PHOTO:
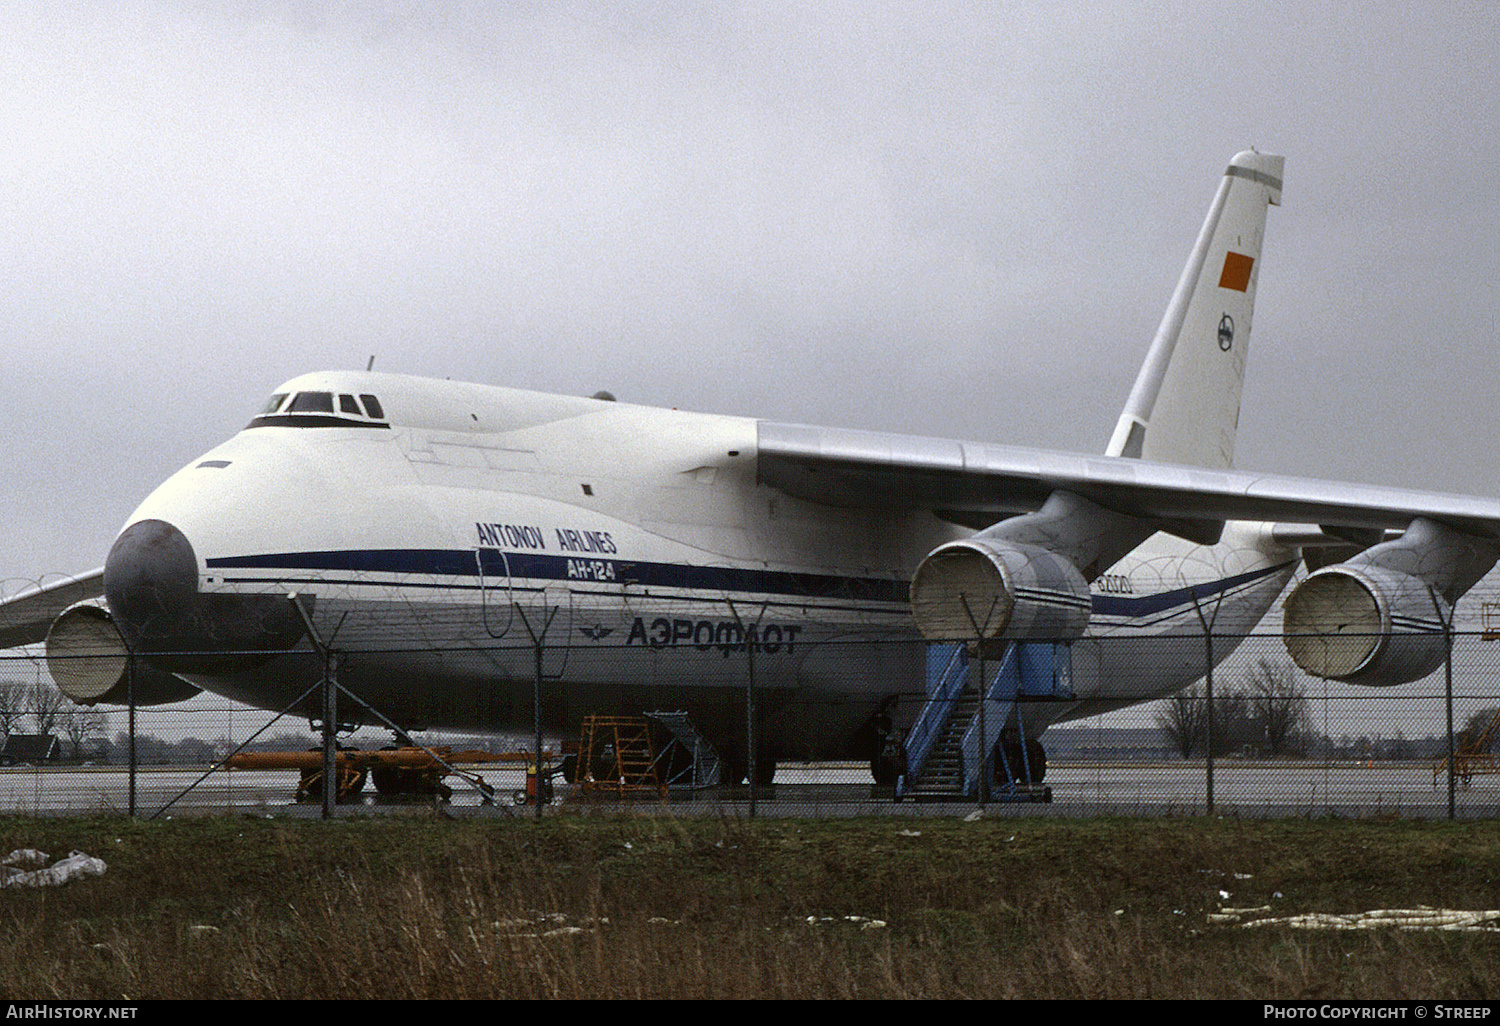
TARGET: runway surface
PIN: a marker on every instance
(1077, 789)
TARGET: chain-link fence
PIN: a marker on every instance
(833, 731)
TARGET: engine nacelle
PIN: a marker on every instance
(88, 662)
(1004, 589)
(1365, 624)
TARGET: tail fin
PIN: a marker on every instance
(1185, 405)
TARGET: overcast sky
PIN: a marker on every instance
(957, 219)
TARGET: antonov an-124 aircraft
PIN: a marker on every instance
(429, 527)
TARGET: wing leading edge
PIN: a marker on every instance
(25, 618)
(975, 485)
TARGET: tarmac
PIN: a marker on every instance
(1239, 788)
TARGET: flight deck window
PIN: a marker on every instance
(312, 402)
(321, 410)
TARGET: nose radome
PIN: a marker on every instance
(151, 583)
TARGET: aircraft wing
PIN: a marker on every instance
(975, 484)
(25, 618)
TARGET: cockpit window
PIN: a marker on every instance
(312, 402)
(317, 409)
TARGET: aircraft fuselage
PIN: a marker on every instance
(434, 544)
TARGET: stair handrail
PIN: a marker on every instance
(942, 691)
(999, 699)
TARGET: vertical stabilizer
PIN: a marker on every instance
(1185, 405)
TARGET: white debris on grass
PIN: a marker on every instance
(1419, 918)
(27, 867)
(561, 925)
(863, 922)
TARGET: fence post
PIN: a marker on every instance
(1447, 622)
(750, 642)
(330, 687)
(130, 726)
(538, 642)
(985, 761)
(330, 734)
(1208, 692)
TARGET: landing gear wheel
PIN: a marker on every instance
(604, 768)
(1032, 769)
(735, 773)
(765, 771)
(1036, 760)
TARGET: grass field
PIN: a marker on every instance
(591, 907)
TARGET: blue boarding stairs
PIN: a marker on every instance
(956, 735)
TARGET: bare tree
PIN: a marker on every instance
(46, 701)
(1278, 705)
(80, 723)
(1187, 717)
(13, 704)
(1182, 719)
(1264, 712)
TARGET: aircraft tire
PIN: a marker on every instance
(388, 780)
(1035, 761)
(1036, 758)
(604, 768)
(765, 771)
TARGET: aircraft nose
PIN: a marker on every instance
(151, 583)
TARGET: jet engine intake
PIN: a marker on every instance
(1378, 618)
(1365, 625)
(990, 589)
(89, 662)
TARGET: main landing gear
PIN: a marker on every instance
(1022, 764)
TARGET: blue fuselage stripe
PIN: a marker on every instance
(496, 567)
(536, 566)
(1136, 606)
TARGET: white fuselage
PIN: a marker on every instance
(435, 546)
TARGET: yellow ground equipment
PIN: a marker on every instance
(616, 757)
(1473, 757)
(394, 771)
